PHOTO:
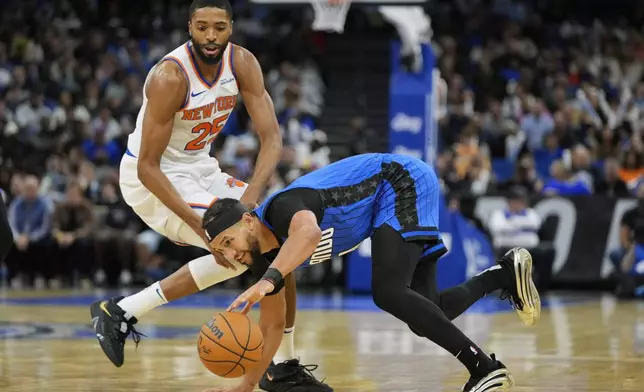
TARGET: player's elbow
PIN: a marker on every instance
(272, 139)
(144, 170)
(312, 234)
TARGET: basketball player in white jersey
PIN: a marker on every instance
(168, 177)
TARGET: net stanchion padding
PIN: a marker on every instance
(330, 15)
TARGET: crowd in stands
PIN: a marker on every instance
(542, 95)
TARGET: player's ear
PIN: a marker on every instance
(248, 220)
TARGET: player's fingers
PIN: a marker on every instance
(223, 261)
(237, 302)
(247, 308)
(233, 306)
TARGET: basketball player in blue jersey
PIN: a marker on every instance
(169, 178)
(6, 235)
(394, 200)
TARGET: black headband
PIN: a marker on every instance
(225, 220)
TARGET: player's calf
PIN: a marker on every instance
(112, 327)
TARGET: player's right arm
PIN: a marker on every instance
(166, 91)
(272, 320)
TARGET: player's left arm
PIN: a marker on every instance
(260, 108)
(272, 316)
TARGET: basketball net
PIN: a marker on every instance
(330, 15)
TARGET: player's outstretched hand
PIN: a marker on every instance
(252, 296)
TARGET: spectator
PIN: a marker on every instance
(115, 239)
(631, 167)
(611, 184)
(32, 115)
(30, 220)
(536, 125)
(550, 152)
(582, 168)
(101, 151)
(563, 183)
(73, 223)
(468, 151)
(496, 128)
(525, 177)
(54, 181)
(518, 225)
(629, 269)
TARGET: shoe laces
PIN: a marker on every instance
(136, 335)
(508, 294)
(306, 371)
(515, 302)
(130, 330)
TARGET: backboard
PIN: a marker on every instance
(330, 15)
(372, 2)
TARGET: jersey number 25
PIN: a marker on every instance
(207, 132)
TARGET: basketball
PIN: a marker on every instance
(230, 344)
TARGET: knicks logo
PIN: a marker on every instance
(204, 112)
(234, 183)
(325, 248)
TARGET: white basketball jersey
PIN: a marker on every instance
(204, 113)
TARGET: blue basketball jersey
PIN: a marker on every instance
(363, 192)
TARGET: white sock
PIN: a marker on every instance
(144, 301)
(286, 350)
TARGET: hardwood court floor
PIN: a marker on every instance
(581, 344)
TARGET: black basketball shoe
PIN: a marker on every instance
(112, 328)
(521, 290)
(497, 379)
(290, 376)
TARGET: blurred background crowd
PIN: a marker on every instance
(540, 98)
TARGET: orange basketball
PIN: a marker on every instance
(230, 344)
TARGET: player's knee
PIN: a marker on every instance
(387, 296)
(206, 272)
(416, 332)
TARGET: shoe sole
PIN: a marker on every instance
(528, 293)
(497, 381)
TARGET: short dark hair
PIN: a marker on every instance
(216, 209)
(222, 4)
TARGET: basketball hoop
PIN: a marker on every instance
(330, 15)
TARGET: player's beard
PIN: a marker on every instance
(253, 245)
(210, 60)
(253, 249)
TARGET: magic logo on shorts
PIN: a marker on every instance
(325, 248)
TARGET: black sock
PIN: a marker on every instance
(475, 360)
(456, 300)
